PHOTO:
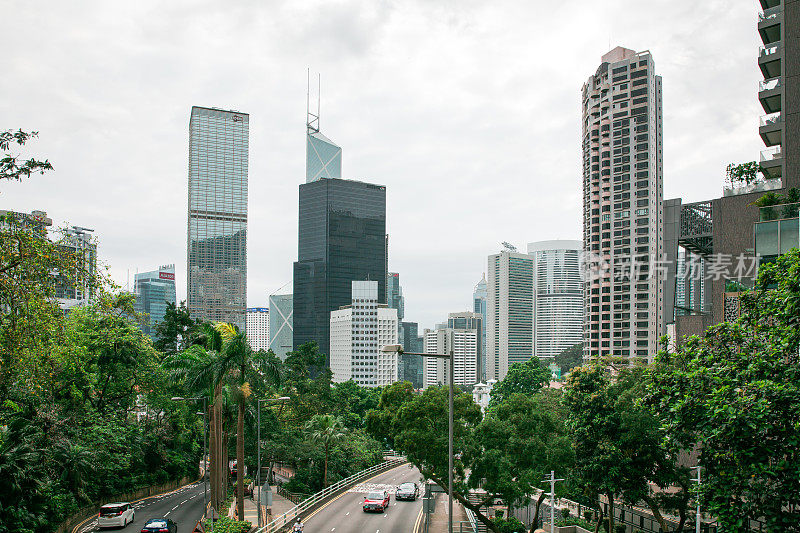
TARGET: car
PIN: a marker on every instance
(118, 514)
(376, 501)
(160, 525)
(406, 491)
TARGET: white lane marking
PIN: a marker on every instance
(167, 513)
(333, 529)
(184, 501)
(174, 508)
(347, 514)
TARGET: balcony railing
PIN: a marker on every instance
(769, 14)
(778, 212)
(770, 84)
(771, 154)
(771, 49)
(769, 120)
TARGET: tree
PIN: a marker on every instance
(174, 332)
(380, 421)
(326, 430)
(525, 378)
(735, 394)
(570, 358)
(10, 167)
(421, 427)
(518, 443)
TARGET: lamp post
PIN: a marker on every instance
(398, 349)
(280, 400)
(205, 446)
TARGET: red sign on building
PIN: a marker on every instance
(166, 275)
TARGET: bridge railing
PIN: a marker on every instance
(312, 501)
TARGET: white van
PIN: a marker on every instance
(115, 515)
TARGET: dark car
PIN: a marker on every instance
(376, 501)
(406, 491)
(160, 525)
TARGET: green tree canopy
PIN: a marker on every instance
(525, 378)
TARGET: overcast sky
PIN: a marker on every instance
(468, 111)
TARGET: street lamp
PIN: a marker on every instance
(280, 400)
(398, 349)
(205, 446)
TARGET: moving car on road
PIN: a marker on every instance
(376, 501)
(160, 525)
(118, 514)
(406, 491)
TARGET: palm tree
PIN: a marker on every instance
(327, 430)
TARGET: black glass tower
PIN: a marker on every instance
(341, 239)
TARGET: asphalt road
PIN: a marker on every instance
(184, 506)
(344, 514)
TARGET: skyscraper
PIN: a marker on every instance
(154, 290)
(358, 332)
(394, 294)
(323, 157)
(217, 215)
(479, 306)
(409, 367)
(257, 327)
(281, 324)
(622, 205)
(79, 290)
(509, 313)
(462, 336)
(557, 297)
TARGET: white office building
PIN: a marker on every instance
(462, 335)
(257, 327)
(358, 333)
(509, 312)
(558, 307)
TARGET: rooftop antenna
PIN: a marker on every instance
(312, 120)
(509, 247)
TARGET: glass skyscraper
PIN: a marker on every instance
(154, 290)
(479, 306)
(341, 239)
(281, 324)
(217, 225)
(323, 157)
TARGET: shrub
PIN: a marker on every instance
(588, 515)
(228, 525)
(564, 513)
(620, 528)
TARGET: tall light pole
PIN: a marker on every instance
(552, 480)
(697, 518)
(280, 400)
(398, 349)
(205, 446)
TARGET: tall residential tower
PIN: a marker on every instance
(622, 206)
(217, 226)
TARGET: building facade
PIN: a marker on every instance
(281, 324)
(78, 290)
(257, 327)
(341, 239)
(217, 215)
(154, 291)
(622, 206)
(479, 306)
(359, 331)
(509, 312)
(465, 345)
(409, 367)
(557, 297)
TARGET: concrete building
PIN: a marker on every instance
(509, 312)
(359, 331)
(558, 306)
(462, 335)
(622, 205)
(730, 228)
(257, 327)
(36, 221)
(79, 290)
(217, 215)
(479, 296)
(281, 324)
(482, 394)
(154, 290)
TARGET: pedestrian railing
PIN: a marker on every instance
(306, 505)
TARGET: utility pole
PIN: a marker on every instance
(552, 480)
(697, 517)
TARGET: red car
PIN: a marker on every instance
(376, 501)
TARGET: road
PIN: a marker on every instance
(184, 506)
(344, 514)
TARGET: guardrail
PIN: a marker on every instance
(286, 518)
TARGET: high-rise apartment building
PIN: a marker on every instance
(622, 206)
(509, 312)
(479, 306)
(463, 336)
(154, 291)
(409, 367)
(359, 331)
(341, 238)
(557, 297)
(77, 290)
(217, 215)
(281, 324)
(257, 327)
